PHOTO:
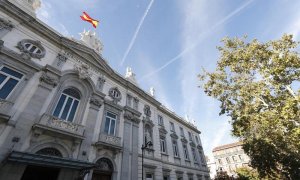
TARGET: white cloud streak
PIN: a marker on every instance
(136, 32)
(201, 36)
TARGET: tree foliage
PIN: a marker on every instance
(247, 174)
(257, 85)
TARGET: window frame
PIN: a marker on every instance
(110, 121)
(172, 127)
(160, 120)
(64, 104)
(185, 152)
(163, 142)
(194, 155)
(175, 148)
(9, 76)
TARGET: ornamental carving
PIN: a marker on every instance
(4, 24)
(184, 140)
(48, 79)
(33, 48)
(115, 94)
(83, 71)
(100, 83)
(147, 111)
(64, 125)
(96, 102)
(104, 164)
(49, 152)
(174, 135)
(61, 59)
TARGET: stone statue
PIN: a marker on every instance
(91, 40)
(130, 75)
(152, 91)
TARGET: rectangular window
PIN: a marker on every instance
(190, 136)
(8, 81)
(163, 145)
(194, 155)
(197, 140)
(160, 120)
(172, 128)
(110, 123)
(186, 153)
(166, 177)
(175, 148)
(135, 104)
(129, 100)
(181, 132)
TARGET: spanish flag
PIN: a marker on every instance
(87, 18)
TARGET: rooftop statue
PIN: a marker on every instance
(92, 41)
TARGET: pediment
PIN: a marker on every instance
(83, 53)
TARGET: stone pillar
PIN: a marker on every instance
(130, 145)
(96, 102)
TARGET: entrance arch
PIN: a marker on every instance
(104, 170)
(35, 172)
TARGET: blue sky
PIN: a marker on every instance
(167, 42)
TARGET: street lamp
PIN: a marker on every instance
(148, 144)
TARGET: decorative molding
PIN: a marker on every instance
(184, 140)
(83, 70)
(174, 135)
(48, 79)
(147, 110)
(95, 101)
(22, 47)
(129, 115)
(147, 121)
(199, 147)
(192, 144)
(100, 83)
(61, 59)
(4, 24)
(162, 131)
(115, 94)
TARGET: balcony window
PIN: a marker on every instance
(172, 128)
(175, 148)
(67, 104)
(186, 154)
(110, 123)
(181, 132)
(8, 81)
(197, 140)
(163, 145)
(160, 120)
(194, 155)
(190, 136)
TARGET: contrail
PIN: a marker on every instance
(202, 35)
(136, 33)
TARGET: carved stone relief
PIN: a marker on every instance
(83, 70)
(45, 78)
(33, 48)
(115, 94)
(100, 83)
(5, 27)
(60, 60)
(96, 102)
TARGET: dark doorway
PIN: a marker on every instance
(101, 176)
(40, 173)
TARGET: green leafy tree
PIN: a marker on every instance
(257, 85)
(247, 174)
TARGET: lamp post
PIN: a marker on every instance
(149, 143)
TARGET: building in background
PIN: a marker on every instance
(229, 157)
(211, 164)
(66, 114)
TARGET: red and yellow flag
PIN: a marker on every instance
(87, 18)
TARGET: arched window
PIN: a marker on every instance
(50, 152)
(67, 104)
(104, 165)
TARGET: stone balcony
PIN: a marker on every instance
(55, 125)
(109, 142)
(5, 110)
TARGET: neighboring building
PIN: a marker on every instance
(66, 114)
(229, 157)
(211, 164)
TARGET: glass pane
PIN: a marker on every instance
(111, 115)
(112, 127)
(12, 72)
(73, 111)
(107, 122)
(59, 105)
(66, 108)
(2, 78)
(32, 49)
(7, 88)
(72, 92)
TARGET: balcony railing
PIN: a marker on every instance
(60, 125)
(110, 140)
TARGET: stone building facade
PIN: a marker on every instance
(66, 114)
(230, 157)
